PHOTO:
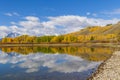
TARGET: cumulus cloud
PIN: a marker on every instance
(73, 23)
(4, 30)
(31, 22)
(32, 25)
(32, 18)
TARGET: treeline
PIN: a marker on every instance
(106, 38)
(94, 34)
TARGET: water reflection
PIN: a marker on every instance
(92, 54)
(50, 63)
(55, 62)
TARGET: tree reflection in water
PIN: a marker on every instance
(92, 54)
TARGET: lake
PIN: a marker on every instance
(51, 63)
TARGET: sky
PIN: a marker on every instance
(53, 17)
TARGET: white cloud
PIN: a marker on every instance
(3, 30)
(13, 23)
(15, 13)
(94, 14)
(91, 14)
(73, 23)
(12, 14)
(8, 14)
(30, 22)
(88, 13)
(112, 12)
(32, 18)
(54, 25)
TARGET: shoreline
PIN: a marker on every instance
(60, 44)
(109, 69)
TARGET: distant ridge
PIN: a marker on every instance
(13, 34)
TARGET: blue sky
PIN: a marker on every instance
(44, 8)
(15, 11)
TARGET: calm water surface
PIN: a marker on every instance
(50, 63)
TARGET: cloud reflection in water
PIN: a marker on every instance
(54, 62)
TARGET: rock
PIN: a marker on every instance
(109, 70)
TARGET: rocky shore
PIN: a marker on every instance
(108, 70)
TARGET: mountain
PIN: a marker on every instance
(13, 34)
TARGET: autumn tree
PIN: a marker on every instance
(118, 37)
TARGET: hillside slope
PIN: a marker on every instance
(110, 29)
(115, 29)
